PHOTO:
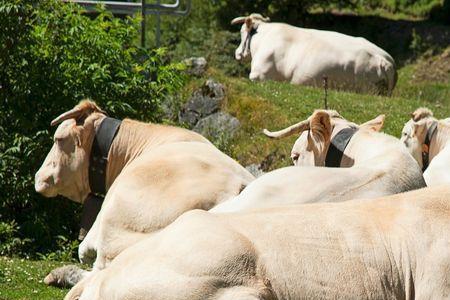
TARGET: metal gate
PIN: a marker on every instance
(131, 7)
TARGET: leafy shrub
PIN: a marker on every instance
(10, 244)
(66, 250)
(52, 56)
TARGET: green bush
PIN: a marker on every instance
(52, 56)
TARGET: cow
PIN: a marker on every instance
(283, 52)
(362, 163)
(428, 141)
(151, 174)
(394, 247)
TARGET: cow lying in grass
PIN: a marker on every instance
(305, 56)
(367, 164)
(395, 247)
(428, 140)
(153, 174)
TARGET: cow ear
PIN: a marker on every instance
(320, 130)
(249, 23)
(418, 130)
(421, 113)
(375, 124)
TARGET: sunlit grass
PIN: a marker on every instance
(23, 279)
(275, 105)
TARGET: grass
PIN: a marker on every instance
(272, 105)
(23, 279)
(275, 105)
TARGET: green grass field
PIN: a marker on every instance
(275, 105)
(22, 279)
(272, 105)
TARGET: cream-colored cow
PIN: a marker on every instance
(428, 141)
(394, 247)
(154, 173)
(372, 164)
(305, 56)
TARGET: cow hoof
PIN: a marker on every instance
(66, 276)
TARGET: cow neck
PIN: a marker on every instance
(104, 136)
(426, 145)
(337, 147)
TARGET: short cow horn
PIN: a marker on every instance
(259, 17)
(238, 20)
(296, 128)
(84, 107)
(73, 113)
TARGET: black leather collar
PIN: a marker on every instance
(426, 146)
(248, 40)
(337, 147)
(98, 162)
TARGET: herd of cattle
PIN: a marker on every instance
(352, 219)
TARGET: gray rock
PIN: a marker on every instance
(255, 169)
(220, 125)
(195, 65)
(203, 102)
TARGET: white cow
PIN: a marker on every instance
(428, 140)
(395, 247)
(153, 174)
(305, 56)
(373, 164)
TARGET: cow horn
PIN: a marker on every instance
(73, 113)
(259, 17)
(84, 107)
(238, 20)
(296, 128)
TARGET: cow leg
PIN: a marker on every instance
(263, 68)
(87, 250)
(66, 276)
(112, 242)
(243, 293)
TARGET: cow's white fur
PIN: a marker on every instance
(413, 137)
(154, 174)
(374, 164)
(304, 56)
(393, 247)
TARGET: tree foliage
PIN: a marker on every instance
(52, 56)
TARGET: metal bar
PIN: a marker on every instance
(143, 24)
(130, 8)
(134, 7)
(158, 26)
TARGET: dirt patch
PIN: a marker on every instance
(434, 68)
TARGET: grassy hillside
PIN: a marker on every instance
(275, 105)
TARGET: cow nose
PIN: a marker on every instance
(42, 184)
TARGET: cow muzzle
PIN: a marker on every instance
(238, 55)
(45, 186)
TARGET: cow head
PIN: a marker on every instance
(415, 130)
(248, 24)
(311, 148)
(65, 169)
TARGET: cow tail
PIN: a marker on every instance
(390, 73)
